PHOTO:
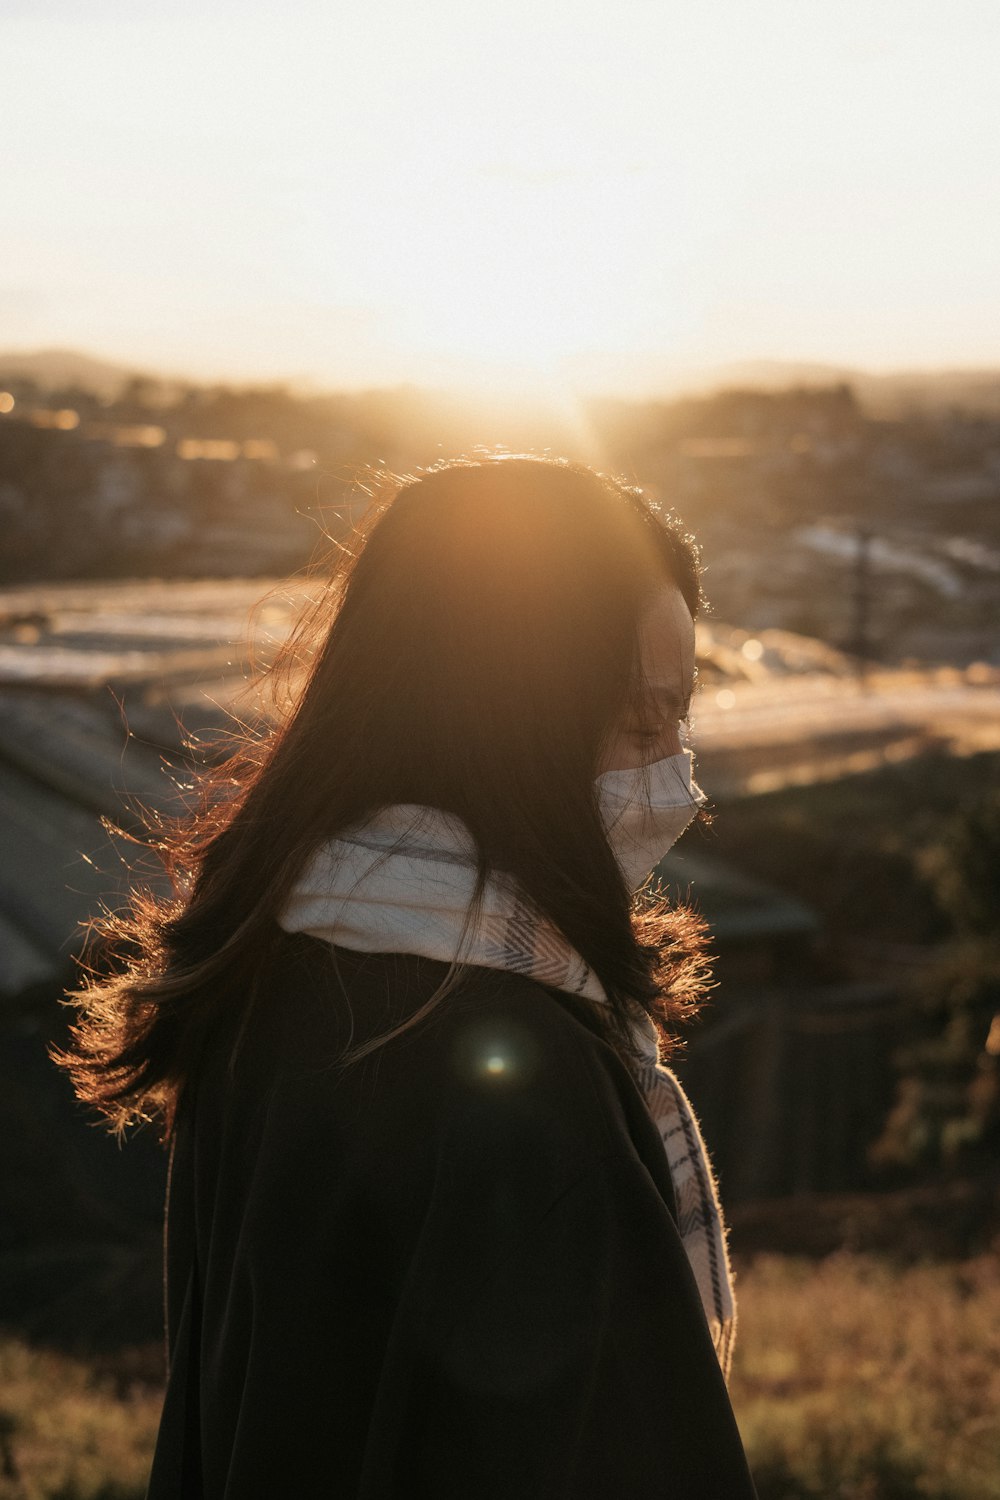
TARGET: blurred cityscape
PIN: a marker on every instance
(868, 525)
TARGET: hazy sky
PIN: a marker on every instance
(434, 189)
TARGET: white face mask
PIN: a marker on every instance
(645, 811)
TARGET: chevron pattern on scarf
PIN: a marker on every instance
(514, 939)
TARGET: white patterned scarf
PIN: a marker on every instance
(403, 882)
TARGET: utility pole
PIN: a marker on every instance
(861, 602)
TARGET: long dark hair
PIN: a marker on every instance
(479, 644)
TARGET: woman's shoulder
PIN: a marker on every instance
(500, 1103)
(497, 1055)
(341, 998)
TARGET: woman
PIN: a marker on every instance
(438, 1225)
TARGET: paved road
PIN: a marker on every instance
(185, 646)
(761, 736)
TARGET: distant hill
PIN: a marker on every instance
(887, 394)
(55, 368)
(884, 393)
(972, 390)
(892, 391)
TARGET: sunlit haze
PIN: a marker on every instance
(581, 195)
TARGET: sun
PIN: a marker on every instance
(509, 276)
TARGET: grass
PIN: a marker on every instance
(70, 1430)
(857, 1380)
(853, 1379)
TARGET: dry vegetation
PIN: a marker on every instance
(853, 1380)
(73, 1431)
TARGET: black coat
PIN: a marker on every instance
(449, 1272)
